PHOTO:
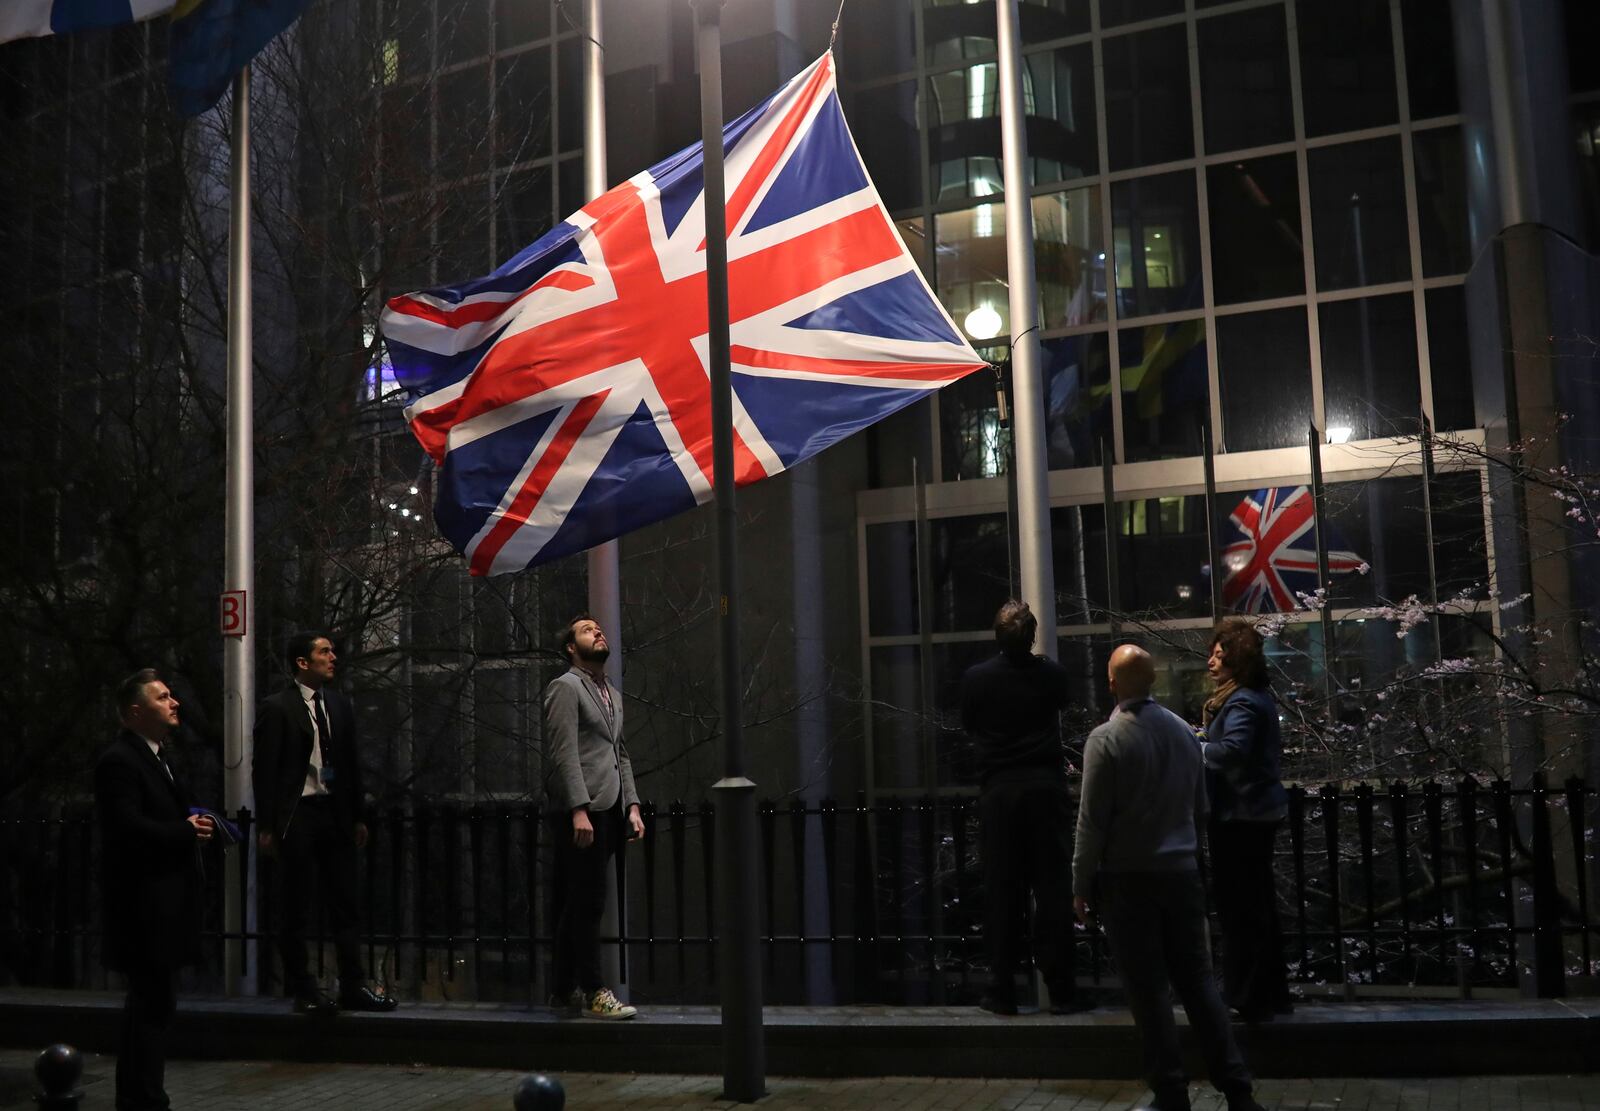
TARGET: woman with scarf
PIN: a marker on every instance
(1242, 746)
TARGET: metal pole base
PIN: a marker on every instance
(744, 1053)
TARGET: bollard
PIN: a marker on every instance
(538, 1092)
(58, 1069)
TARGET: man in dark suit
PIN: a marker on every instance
(150, 881)
(310, 811)
(595, 809)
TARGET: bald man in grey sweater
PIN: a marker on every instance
(1137, 868)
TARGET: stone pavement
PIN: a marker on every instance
(276, 1086)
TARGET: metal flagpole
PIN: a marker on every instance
(605, 575)
(239, 543)
(605, 590)
(1027, 386)
(737, 880)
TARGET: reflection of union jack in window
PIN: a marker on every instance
(565, 398)
(1272, 556)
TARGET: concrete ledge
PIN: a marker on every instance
(1319, 1040)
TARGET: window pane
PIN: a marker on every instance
(897, 726)
(1077, 371)
(499, 727)
(1448, 361)
(1381, 523)
(1430, 57)
(1358, 214)
(971, 261)
(522, 108)
(892, 579)
(971, 574)
(463, 30)
(522, 210)
(569, 65)
(964, 132)
(464, 233)
(1162, 557)
(518, 21)
(884, 122)
(1369, 367)
(1266, 547)
(1078, 548)
(1264, 368)
(1346, 66)
(1070, 257)
(1583, 28)
(1157, 240)
(1058, 91)
(464, 101)
(1442, 202)
(1053, 19)
(1165, 390)
(971, 438)
(954, 30)
(1255, 230)
(1147, 98)
(1113, 13)
(1244, 80)
(877, 39)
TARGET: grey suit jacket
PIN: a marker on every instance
(585, 760)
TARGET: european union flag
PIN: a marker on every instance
(212, 40)
(21, 19)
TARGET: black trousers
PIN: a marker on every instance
(1254, 978)
(581, 894)
(317, 858)
(142, 1053)
(1156, 922)
(1025, 834)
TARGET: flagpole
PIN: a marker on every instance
(605, 573)
(238, 558)
(605, 589)
(737, 880)
(1033, 469)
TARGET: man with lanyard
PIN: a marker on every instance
(594, 807)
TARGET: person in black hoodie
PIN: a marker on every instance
(1009, 711)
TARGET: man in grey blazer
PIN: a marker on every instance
(594, 808)
(1137, 868)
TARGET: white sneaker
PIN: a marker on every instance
(602, 1004)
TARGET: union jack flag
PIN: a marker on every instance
(565, 398)
(1274, 557)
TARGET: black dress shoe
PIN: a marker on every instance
(996, 1005)
(1071, 1005)
(365, 999)
(315, 1004)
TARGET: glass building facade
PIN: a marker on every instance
(1250, 219)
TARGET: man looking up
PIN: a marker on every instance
(1010, 710)
(595, 808)
(307, 776)
(150, 881)
(1137, 867)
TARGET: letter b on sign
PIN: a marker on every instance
(233, 613)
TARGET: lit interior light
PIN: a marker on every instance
(1339, 434)
(983, 322)
(1235, 561)
(1185, 592)
(405, 513)
(1157, 235)
(1102, 256)
(394, 505)
(413, 489)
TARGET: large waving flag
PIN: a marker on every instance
(212, 40)
(566, 397)
(22, 19)
(1271, 557)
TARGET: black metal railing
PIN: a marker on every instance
(1442, 889)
